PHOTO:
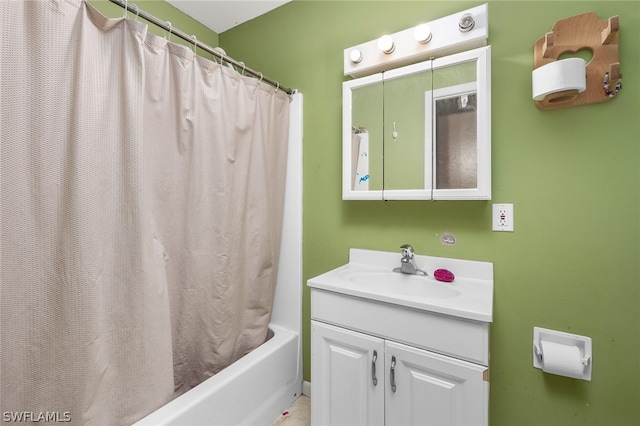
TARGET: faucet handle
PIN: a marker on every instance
(407, 251)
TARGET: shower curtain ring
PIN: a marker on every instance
(259, 81)
(195, 42)
(243, 67)
(137, 10)
(277, 87)
(126, 7)
(170, 29)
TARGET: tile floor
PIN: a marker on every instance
(299, 414)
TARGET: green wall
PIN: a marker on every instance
(572, 263)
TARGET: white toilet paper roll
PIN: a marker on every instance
(563, 360)
(559, 76)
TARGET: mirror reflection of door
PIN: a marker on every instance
(454, 119)
(455, 136)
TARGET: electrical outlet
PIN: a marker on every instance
(503, 217)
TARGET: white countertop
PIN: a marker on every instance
(369, 274)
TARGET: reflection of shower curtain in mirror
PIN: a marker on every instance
(360, 161)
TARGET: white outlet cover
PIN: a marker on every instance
(502, 217)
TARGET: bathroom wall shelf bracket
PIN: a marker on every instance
(571, 35)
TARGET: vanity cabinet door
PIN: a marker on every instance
(425, 388)
(348, 386)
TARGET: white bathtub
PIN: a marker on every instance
(257, 388)
(254, 390)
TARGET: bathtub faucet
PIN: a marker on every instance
(408, 263)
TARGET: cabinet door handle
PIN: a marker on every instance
(393, 373)
(373, 368)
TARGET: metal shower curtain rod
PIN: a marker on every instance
(192, 40)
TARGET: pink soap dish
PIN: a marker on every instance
(443, 275)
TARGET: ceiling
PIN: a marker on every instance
(221, 15)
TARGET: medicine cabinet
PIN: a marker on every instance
(420, 132)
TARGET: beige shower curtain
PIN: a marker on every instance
(141, 211)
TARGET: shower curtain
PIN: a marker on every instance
(142, 190)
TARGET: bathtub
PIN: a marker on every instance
(254, 390)
(258, 387)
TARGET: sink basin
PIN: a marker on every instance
(369, 275)
(402, 284)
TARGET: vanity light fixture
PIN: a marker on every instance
(355, 56)
(422, 33)
(466, 30)
(466, 23)
(386, 44)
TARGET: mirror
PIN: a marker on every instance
(420, 132)
(366, 133)
(406, 152)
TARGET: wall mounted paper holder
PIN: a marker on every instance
(582, 342)
(570, 35)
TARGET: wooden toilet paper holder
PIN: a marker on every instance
(570, 35)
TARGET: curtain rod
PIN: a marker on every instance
(192, 40)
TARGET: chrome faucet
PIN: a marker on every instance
(408, 263)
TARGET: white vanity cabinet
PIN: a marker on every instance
(377, 361)
(359, 379)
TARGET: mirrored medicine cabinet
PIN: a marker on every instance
(420, 132)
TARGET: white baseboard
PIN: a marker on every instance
(306, 388)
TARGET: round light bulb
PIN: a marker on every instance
(385, 43)
(356, 56)
(422, 33)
